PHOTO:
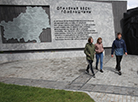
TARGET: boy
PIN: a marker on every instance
(119, 46)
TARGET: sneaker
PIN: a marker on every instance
(93, 75)
(101, 71)
(87, 72)
(120, 73)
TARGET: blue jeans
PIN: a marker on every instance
(99, 56)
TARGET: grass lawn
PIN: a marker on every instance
(16, 93)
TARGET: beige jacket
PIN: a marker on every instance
(99, 48)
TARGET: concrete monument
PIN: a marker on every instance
(54, 25)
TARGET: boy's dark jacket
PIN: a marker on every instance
(119, 46)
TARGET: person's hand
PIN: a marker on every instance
(125, 53)
(112, 55)
(89, 55)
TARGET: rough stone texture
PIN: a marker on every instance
(5, 57)
(101, 13)
(103, 97)
(68, 74)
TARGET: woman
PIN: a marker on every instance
(89, 51)
(99, 53)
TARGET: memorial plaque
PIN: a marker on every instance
(55, 25)
(24, 24)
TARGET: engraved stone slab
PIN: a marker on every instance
(66, 25)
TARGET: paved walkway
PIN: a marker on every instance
(68, 74)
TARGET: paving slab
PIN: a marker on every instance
(69, 74)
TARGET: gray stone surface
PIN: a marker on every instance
(68, 74)
(6, 57)
(101, 14)
(104, 97)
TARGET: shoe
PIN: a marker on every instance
(93, 75)
(120, 73)
(87, 72)
(101, 71)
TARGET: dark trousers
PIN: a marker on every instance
(90, 66)
(118, 61)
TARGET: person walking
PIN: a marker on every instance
(89, 51)
(120, 47)
(99, 53)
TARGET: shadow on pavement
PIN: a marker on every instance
(111, 69)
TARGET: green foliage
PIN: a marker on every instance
(16, 93)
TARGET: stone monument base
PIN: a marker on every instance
(40, 55)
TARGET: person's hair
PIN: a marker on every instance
(89, 40)
(99, 39)
(119, 33)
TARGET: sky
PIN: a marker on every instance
(132, 4)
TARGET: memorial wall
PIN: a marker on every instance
(54, 24)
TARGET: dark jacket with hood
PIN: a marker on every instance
(119, 47)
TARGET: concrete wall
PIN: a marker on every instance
(119, 7)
